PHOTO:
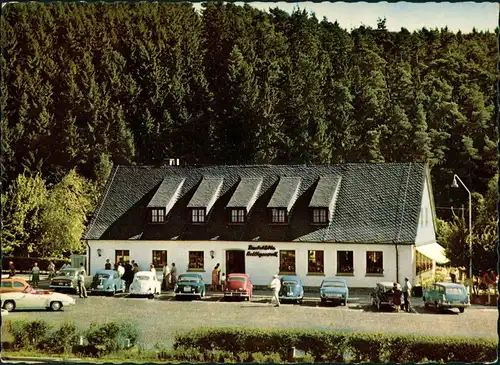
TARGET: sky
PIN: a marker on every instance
(456, 16)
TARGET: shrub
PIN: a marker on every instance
(338, 346)
(62, 340)
(109, 337)
(28, 334)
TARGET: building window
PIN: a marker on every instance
(287, 261)
(345, 262)
(159, 258)
(196, 260)
(237, 215)
(320, 215)
(422, 263)
(157, 215)
(278, 215)
(198, 215)
(122, 255)
(374, 262)
(316, 262)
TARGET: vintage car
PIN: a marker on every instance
(190, 285)
(382, 295)
(145, 283)
(238, 286)
(67, 280)
(334, 290)
(107, 281)
(34, 299)
(446, 296)
(13, 284)
(292, 289)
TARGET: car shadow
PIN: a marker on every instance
(431, 310)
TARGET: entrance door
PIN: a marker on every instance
(235, 262)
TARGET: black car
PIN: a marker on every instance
(382, 294)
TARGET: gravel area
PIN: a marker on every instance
(160, 318)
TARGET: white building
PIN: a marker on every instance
(363, 222)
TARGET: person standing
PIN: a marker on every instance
(152, 269)
(396, 296)
(129, 274)
(12, 269)
(215, 279)
(275, 286)
(51, 268)
(120, 269)
(35, 275)
(218, 275)
(166, 276)
(81, 282)
(223, 281)
(107, 265)
(407, 295)
(173, 274)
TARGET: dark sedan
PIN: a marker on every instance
(292, 289)
(382, 295)
(190, 285)
(67, 280)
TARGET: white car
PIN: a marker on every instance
(30, 298)
(145, 283)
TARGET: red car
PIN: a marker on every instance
(239, 286)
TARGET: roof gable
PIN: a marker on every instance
(246, 193)
(167, 193)
(206, 194)
(285, 194)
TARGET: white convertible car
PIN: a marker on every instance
(30, 298)
(145, 283)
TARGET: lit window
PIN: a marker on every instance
(198, 215)
(316, 262)
(320, 215)
(345, 262)
(374, 262)
(157, 215)
(287, 261)
(122, 255)
(159, 258)
(196, 260)
(278, 215)
(237, 215)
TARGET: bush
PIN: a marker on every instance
(28, 334)
(63, 340)
(322, 346)
(109, 337)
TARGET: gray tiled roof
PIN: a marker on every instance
(285, 193)
(376, 203)
(246, 193)
(325, 191)
(169, 187)
(207, 193)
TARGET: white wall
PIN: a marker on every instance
(426, 230)
(262, 269)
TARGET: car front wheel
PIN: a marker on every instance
(55, 306)
(9, 306)
(461, 310)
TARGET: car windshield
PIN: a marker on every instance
(335, 284)
(188, 278)
(236, 278)
(29, 289)
(290, 283)
(454, 291)
(142, 278)
(102, 276)
(67, 272)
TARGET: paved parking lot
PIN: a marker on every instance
(159, 319)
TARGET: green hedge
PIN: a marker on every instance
(330, 346)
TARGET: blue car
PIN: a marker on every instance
(107, 282)
(190, 285)
(334, 290)
(292, 289)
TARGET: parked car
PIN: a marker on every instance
(13, 284)
(30, 298)
(190, 285)
(292, 289)
(238, 286)
(107, 281)
(382, 295)
(446, 296)
(67, 280)
(145, 283)
(334, 290)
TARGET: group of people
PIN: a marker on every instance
(403, 300)
(218, 280)
(169, 275)
(488, 279)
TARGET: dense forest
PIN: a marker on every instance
(86, 86)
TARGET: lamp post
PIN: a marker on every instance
(455, 185)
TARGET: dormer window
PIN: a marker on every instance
(320, 216)
(238, 215)
(279, 215)
(157, 215)
(198, 215)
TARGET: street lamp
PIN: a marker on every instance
(454, 184)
